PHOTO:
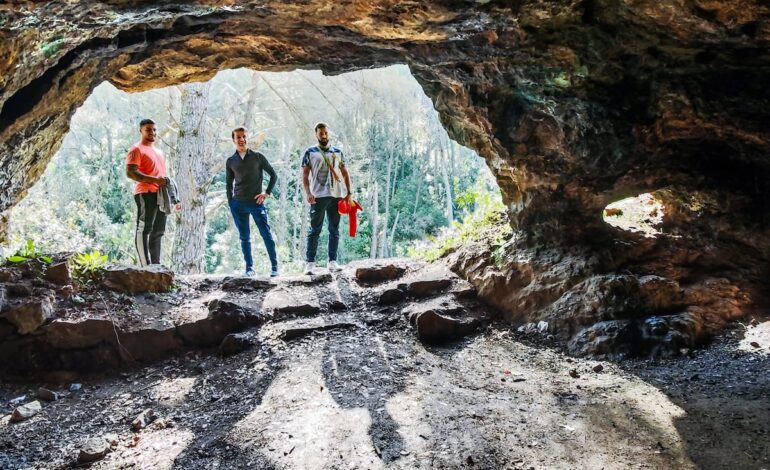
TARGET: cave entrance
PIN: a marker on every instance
(414, 182)
(641, 215)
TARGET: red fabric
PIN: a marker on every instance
(350, 209)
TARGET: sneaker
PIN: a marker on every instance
(309, 267)
(249, 272)
(274, 272)
(333, 266)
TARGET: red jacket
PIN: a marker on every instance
(350, 209)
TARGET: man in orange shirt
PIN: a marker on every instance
(146, 165)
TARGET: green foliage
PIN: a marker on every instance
(487, 222)
(27, 252)
(87, 267)
(384, 126)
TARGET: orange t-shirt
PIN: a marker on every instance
(149, 161)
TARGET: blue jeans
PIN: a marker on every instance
(324, 206)
(241, 211)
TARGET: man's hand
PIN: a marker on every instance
(349, 198)
(310, 198)
(161, 182)
(260, 198)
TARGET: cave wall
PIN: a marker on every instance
(573, 104)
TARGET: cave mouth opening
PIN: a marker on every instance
(415, 183)
(641, 215)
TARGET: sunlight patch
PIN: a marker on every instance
(757, 339)
(642, 214)
(174, 392)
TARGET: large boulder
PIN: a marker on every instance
(440, 319)
(135, 280)
(434, 327)
(30, 314)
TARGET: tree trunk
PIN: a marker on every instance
(191, 174)
(375, 217)
(448, 206)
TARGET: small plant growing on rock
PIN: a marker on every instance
(28, 252)
(87, 267)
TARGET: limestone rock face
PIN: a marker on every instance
(573, 105)
(135, 280)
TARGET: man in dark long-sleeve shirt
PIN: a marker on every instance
(245, 170)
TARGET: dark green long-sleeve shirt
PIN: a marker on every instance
(244, 176)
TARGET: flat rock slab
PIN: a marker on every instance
(135, 280)
(247, 283)
(299, 331)
(307, 280)
(296, 301)
(379, 272)
(432, 279)
(26, 411)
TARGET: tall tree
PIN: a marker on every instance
(191, 170)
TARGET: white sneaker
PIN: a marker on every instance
(333, 266)
(309, 267)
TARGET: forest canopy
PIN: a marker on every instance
(412, 180)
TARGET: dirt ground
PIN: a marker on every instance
(373, 396)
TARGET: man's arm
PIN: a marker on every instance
(346, 177)
(132, 171)
(229, 178)
(273, 176)
(306, 184)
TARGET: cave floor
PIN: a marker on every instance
(374, 396)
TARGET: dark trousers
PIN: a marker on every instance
(323, 206)
(150, 226)
(241, 211)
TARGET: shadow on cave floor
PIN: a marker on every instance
(375, 397)
(723, 394)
